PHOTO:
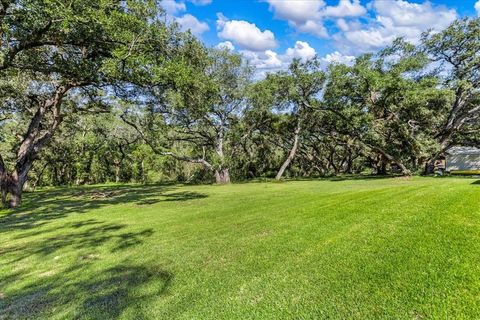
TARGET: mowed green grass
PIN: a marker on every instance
(354, 249)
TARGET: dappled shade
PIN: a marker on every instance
(103, 290)
(386, 247)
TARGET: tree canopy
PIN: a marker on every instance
(96, 91)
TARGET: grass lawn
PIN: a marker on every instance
(352, 249)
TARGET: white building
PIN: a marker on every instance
(462, 159)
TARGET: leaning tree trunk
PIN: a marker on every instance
(391, 158)
(222, 174)
(38, 134)
(292, 152)
(3, 181)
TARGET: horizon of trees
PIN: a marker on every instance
(98, 92)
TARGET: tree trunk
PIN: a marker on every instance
(391, 158)
(405, 171)
(16, 196)
(40, 175)
(429, 167)
(292, 153)
(222, 176)
(38, 134)
(3, 181)
(18, 182)
(143, 175)
(430, 163)
(381, 166)
(382, 169)
(12, 184)
(349, 169)
(402, 167)
(117, 173)
(4, 197)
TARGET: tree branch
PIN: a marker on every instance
(187, 159)
(163, 153)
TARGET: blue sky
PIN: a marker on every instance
(270, 33)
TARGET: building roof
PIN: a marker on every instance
(458, 150)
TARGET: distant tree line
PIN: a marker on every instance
(94, 92)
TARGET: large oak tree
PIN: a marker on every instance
(456, 53)
(58, 57)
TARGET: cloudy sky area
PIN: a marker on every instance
(270, 33)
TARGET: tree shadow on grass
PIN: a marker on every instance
(91, 235)
(84, 239)
(79, 274)
(177, 196)
(105, 295)
(42, 207)
(477, 182)
(85, 287)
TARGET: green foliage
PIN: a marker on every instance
(139, 80)
(457, 49)
(389, 103)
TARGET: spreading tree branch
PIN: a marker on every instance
(160, 152)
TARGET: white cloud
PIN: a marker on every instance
(337, 57)
(313, 27)
(189, 22)
(406, 14)
(343, 25)
(201, 2)
(307, 16)
(303, 15)
(271, 61)
(296, 10)
(226, 45)
(172, 7)
(263, 60)
(364, 40)
(394, 19)
(477, 7)
(345, 8)
(245, 34)
(301, 50)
